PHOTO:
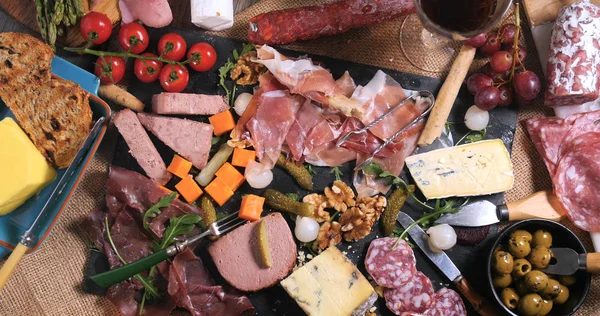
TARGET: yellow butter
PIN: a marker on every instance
(23, 169)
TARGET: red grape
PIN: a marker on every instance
(476, 41)
(501, 61)
(496, 76)
(527, 85)
(520, 102)
(487, 98)
(478, 81)
(506, 95)
(522, 54)
(507, 33)
(492, 44)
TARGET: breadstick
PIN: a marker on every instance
(121, 97)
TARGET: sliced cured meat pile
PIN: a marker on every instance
(185, 282)
(574, 58)
(570, 147)
(406, 290)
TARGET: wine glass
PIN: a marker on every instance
(430, 38)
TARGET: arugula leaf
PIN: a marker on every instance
(223, 71)
(248, 47)
(178, 226)
(309, 168)
(473, 136)
(236, 56)
(154, 210)
(336, 172)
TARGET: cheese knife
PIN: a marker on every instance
(28, 238)
(445, 264)
(541, 204)
(567, 261)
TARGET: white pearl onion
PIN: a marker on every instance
(306, 229)
(441, 237)
(476, 119)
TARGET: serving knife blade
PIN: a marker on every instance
(567, 261)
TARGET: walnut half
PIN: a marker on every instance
(329, 235)
(245, 72)
(340, 196)
(320, 203)
(355, 224)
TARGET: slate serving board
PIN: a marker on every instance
(275, 301)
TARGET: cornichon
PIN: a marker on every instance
(282, 202)
(263, 244)
(394, 205)
(302, 176)
(208, 208)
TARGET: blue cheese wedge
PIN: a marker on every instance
(473, 169)
(330, 285)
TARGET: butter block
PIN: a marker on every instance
(24, 170)
(330, 285)
(478, 168)
(212, 15)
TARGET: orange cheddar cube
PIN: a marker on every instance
(252, 207)
(220, 192)
(230, 176)
(241, 157)
(189, 189)
(222, 122)
(180, 167)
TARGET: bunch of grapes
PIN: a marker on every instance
(504, 79)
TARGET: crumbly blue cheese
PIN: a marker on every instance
(473, 169)
(330, 285)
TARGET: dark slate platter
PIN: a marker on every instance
(275, 301)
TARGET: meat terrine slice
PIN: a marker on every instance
(237, 255)
(190, 139)
(188, 103)
(141, 147)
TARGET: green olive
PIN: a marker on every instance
(567, 280)
(518, 247)
(536, 280)
(501, 281)
(509, 298)
(540, 257)
(563, 296)
(541, 237)
(521, 287)
(530, 304)
(499, 248)
(503, 262)
(551, 291)
(520, 268)
(546, 307)
(519, 233)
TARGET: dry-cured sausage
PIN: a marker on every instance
(416, 296)
(390, 267)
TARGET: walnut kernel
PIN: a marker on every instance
(320, 203)
(329, 235)
(355, 224)
(340, 196)
(245, 72)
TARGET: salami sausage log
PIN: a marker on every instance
(416, 296)
(574, 59)
(390, 267)
(287, 26)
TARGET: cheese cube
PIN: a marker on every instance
(330, 285)
(478, 168)
(24, 170)
(214, 15)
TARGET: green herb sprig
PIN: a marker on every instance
(177, 226)
(310, 169)
(154, 210)
(337, 173)
(226, 69)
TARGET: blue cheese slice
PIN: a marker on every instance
(330, 285)
(473, 169)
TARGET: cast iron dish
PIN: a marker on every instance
(562, 237)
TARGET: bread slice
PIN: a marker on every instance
(23, 60)
(55, 114)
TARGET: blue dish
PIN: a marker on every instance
(13, 225)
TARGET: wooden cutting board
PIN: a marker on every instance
(545, 11)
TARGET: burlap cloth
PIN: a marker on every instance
(49, 281)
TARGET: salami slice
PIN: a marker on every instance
(390, 267)
(577, 180)
(447, 303)
(579, 125)
(416, 296)
(546, 135)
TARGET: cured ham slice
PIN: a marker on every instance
(306, 119)
(346, 84)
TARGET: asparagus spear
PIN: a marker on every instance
(59, 9)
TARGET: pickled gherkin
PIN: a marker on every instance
(282, 202)
(394, 205)
(302, 176)
(263, 244)
(208, 210)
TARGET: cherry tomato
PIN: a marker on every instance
(174, 78)
(111, 72)
(206, 54)
(148, 70)
(133, 36)
(172, 46)
(95, 25)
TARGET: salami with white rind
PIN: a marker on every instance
(573, 61)
(447, 303)
(416, 296)
(577, 180)
(389, 267)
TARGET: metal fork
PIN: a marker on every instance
(117, 275)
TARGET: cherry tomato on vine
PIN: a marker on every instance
(95, 26)
(207, 55)
(172, 46)
(174, 78)
(147, 70)
(110, 72)
(133, 36)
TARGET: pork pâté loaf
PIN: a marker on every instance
(188, 103)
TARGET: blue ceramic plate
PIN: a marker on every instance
(13, 225)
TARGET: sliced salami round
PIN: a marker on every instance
(390, 267)
(577, 180)
(447, 303)
(579, 124)
(416, 296)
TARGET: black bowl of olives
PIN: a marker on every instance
(515, 277)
